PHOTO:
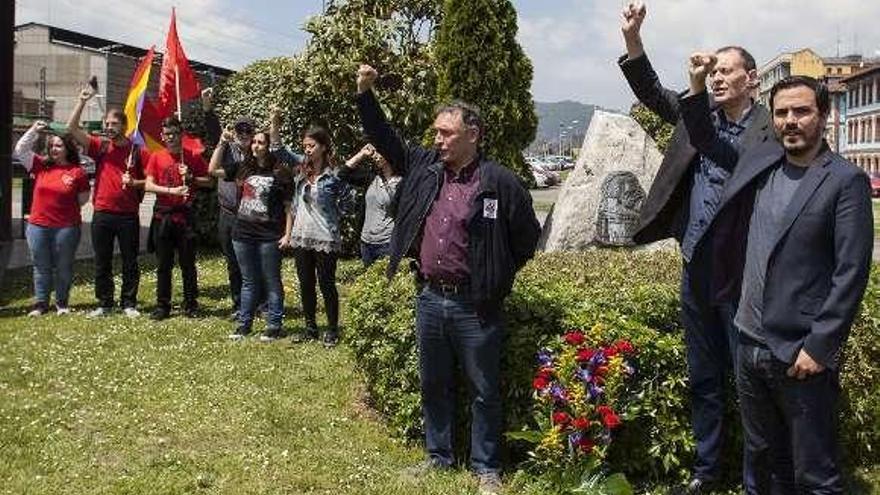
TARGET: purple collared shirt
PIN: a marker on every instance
(444, 249)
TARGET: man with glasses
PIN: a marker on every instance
(171, 173)
(119, 183)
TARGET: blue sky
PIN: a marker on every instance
(573, 43)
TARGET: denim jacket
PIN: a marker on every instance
(318, 211)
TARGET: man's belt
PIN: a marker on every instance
(446, 287)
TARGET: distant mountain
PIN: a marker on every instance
(551, 115)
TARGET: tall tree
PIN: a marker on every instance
(317, 86)
(479, 61)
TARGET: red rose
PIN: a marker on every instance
(586, 445)
(609, 418)
(546, 372)
(611, 421)
(581, 423)
(624, 347)
(610, 351)
(574, 338)
(561, 418)
(585, 354)
(540, 383)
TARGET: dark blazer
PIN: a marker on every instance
(665, 212)
(818, 269)
(500, 240)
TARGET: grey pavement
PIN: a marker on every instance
(20, 254)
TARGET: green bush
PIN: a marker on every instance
(636, 296)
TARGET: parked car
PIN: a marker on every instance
(543, 176)
(875, 185)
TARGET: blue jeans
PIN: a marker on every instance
(790, 425)
(450, 330)
(371, 252)
(260, 263)
(710, 338)
(52, 250)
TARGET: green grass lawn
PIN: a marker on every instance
(133, 406)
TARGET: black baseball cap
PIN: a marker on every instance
(244, 125)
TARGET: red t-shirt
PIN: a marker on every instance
(55, 191)
(163, 168)
(109, 194)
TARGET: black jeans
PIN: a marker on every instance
(309, 263)
(177, 238)
(225, 223)
(790, 425)
(710, 339)
(108, 228)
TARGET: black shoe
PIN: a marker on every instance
(160, 314)
(271, 334)
(331, 338)
(240, 333)
(191, 310)
(310, 333)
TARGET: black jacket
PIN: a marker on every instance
(818, 270)
(665, 212)
(497, 247)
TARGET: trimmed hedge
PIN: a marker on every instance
(635, 296)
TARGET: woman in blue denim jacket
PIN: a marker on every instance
(320, 199)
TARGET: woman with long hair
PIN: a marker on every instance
(61, 187)
(261, 230)
(320, 199)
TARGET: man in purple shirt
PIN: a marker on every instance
(470, 224)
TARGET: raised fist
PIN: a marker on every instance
(700, 65)
(633, 16)
(86, 93)
(366, 78)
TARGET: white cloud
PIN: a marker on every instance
(211, 31)
(574, 49)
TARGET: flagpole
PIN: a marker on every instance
(128, 164)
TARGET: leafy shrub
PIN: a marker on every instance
(634, 295)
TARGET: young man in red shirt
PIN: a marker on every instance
(170, 174)
(119, 182)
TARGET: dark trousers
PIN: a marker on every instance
(710, 338)
(317, 266)
(789, 425)
(225, 223)
(450, 330)
(176, 238)
(371, 252)
(107, 229)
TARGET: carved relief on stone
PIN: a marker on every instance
(617, 218)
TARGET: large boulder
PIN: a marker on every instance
(599, 203)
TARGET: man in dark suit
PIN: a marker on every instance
(683, 203)
(808, 255)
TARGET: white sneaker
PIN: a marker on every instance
(99, 312)
(37, 311)
(131, 312)
(62, 310)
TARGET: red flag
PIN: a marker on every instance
(176, 74)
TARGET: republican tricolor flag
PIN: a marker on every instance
(139, 111)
